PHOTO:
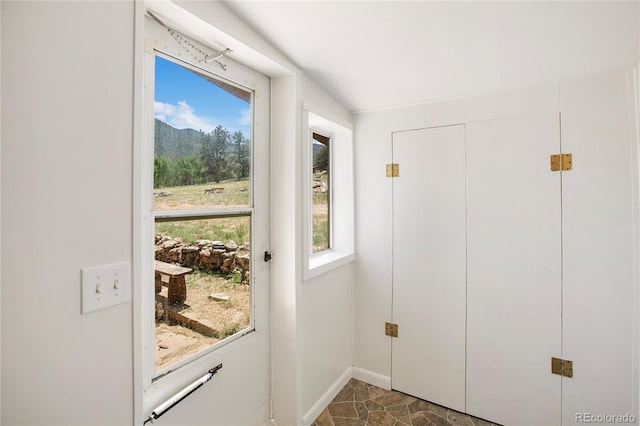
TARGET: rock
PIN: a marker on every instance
(203, 243)
(229, 262)
(170, 244)
(205, 257)
(189, 256)
(320, 186)
(226, 266)
(219, 297)
(215, 259)
(204, 254)
(174, 255)
(244, 262)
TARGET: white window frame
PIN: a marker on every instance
(341, 193)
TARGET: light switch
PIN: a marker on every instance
(104, 286)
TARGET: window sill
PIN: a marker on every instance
(325, 261)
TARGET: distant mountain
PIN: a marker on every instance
(176, 143)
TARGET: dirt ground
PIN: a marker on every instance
(224, 317)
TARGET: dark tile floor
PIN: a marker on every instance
(360, 403)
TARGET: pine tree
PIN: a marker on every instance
(321, 162)
(214, 153)
(242, 155)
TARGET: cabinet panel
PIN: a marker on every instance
(598, 230)
(513, 270)
(428, 357)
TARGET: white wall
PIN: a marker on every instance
(326, 301)
(67, 84)
(312, 320)
(285, 246)
(326, 333)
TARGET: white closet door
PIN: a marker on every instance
(514, 270)
(429, 224)
(598, 208)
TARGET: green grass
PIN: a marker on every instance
(320, 215)
(320, 198)
(229, 329)
(235, 194)
(320, 235)
(236, 229)
(235, 277)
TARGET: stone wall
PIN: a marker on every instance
(204, 255)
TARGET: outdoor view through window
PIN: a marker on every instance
(202, 168)
(321, 191)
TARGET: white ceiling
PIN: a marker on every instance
(377, 54)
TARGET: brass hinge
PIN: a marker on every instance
(393, 170)
(391, 329)
(562, 367)
(561, 162)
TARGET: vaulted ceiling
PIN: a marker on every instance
(377, 54)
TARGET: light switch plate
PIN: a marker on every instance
(104, 286)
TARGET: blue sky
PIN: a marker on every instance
(184, 100)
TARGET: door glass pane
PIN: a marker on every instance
(202, 160)
(202, 284)
(202, 140)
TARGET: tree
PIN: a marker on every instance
(321, 162)
(188, 170)
(242, 155)
(214, 153)
(161, 172)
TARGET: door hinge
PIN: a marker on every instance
(391, 329)
(563, 367)
(561, 162)
(393, 170)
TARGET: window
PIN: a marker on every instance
(320, 187)
(328, 191)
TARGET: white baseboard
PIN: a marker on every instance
(372, 378)
(328, 396)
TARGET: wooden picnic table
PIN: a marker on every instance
(175, 280)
